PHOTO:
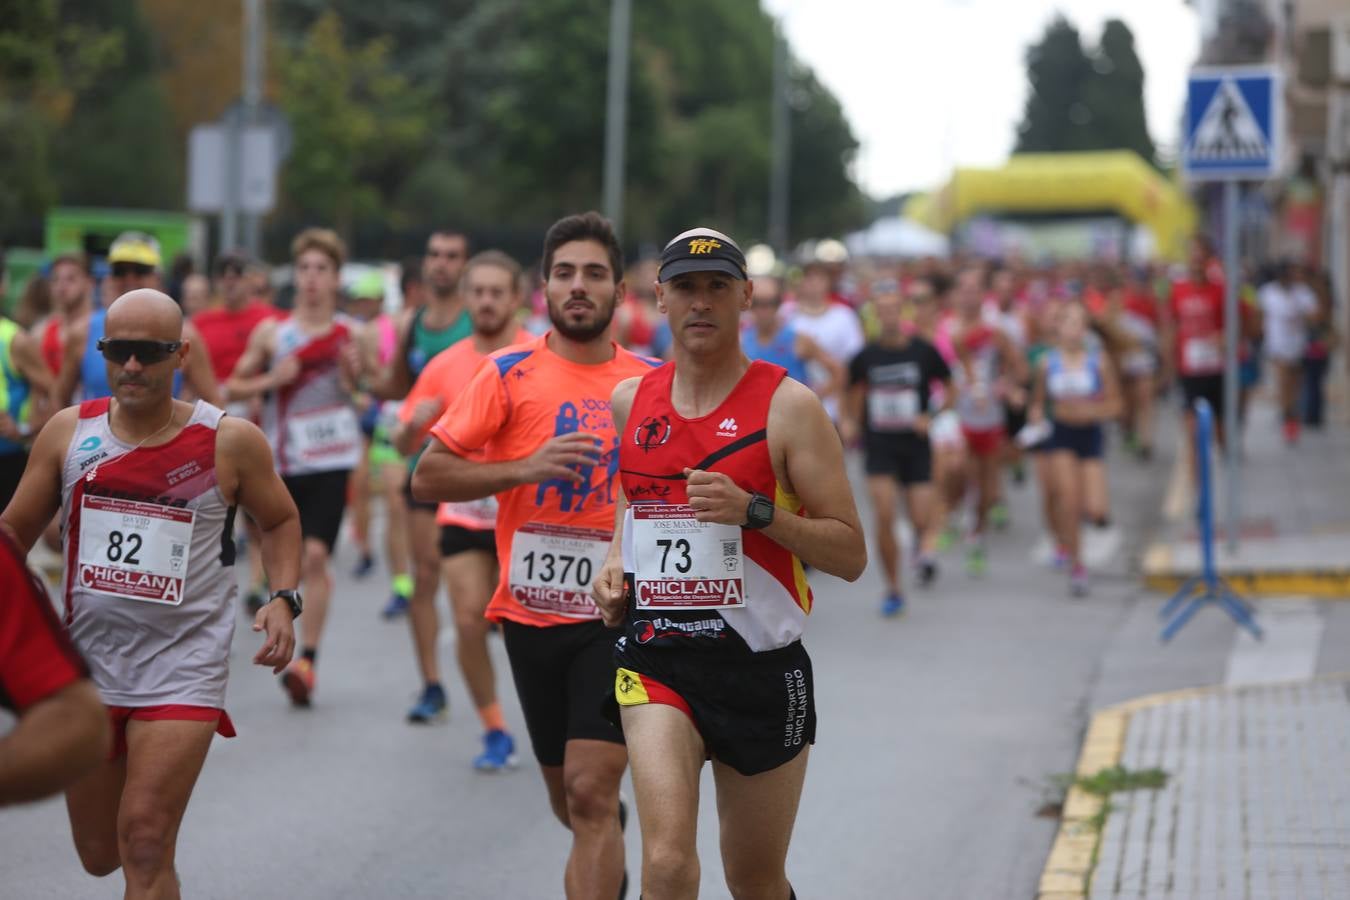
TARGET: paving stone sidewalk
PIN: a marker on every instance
(1256, 806)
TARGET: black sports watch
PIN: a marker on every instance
(293, 601)
(759, 512)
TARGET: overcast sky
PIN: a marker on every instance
(930, 85)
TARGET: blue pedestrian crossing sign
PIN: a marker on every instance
(1232, 124)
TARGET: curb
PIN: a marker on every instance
(1325, 583)
(1074, 852)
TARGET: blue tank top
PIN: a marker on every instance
(14, 388)
(781, 350)
(93, 368)
(1063, 383)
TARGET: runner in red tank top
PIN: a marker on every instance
(718, 458)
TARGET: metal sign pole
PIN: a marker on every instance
(1232, 279)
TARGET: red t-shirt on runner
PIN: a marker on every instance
(1197, 310)
(36, 657)
(226, 332)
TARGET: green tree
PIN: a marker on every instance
(355, 120)
(1084, 100)
(47, 60)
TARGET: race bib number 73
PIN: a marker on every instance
(682, 563)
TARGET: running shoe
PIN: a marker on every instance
(397, 606)
(892, 605)
(1078, 582)
(999, 516)
(433, 707)
(363, 566)
(976, 563)
(499, 752)
(1060, 560)
(298, 681)
(928, 572)
(1019, 474)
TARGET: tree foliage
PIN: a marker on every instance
(486, 114)
(1084, 99)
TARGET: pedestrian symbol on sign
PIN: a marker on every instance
(1228, 130)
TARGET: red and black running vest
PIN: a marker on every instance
(732, 439)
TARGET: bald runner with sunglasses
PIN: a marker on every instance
(146, 487)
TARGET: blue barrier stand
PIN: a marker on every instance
(1207, 587)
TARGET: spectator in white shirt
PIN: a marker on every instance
(1288, 307)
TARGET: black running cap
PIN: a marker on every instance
(701, 250)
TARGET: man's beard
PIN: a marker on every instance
(582, 333)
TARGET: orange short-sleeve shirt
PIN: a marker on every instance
(551, 537)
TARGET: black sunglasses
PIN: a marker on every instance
(123, 269)
(147, 353)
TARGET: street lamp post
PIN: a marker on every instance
(616, 110)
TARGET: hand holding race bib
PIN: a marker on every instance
(714, 497)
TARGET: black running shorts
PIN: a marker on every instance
(754, 711)
(562, 675)
(321, 498)
(456, 539)
(907, 458)
(1193, 387)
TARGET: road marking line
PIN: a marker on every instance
(1293, 634)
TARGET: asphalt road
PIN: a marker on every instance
(937, 733)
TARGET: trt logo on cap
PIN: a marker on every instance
(701, 250)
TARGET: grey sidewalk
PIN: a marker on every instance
(1257, 804)
(1294, 532)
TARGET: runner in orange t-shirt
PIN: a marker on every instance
(540, 414)
(491, 290)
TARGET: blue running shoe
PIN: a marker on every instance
(499, 752)
(397, 606)
(363, 566)
(431, 707)
(892, 605)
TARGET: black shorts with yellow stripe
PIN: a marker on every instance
(754, 711)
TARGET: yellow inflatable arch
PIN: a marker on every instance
(1113, 180)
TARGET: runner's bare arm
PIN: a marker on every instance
(72, 354)
(404, 437)
(250, 377)
(1109, 404)
(249, 476)
(197, 370)
(608, 588)
(1036, 408)
(56, 740)
(811, 351)
(397, 378)
(1013, 361)
(805, 448)
(829, 536)
(850, 423)
(443, 475)
(37, 499)
(27, 357)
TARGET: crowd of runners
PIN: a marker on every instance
(627, 473)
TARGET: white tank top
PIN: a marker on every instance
(310, 422)
(149, 578)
